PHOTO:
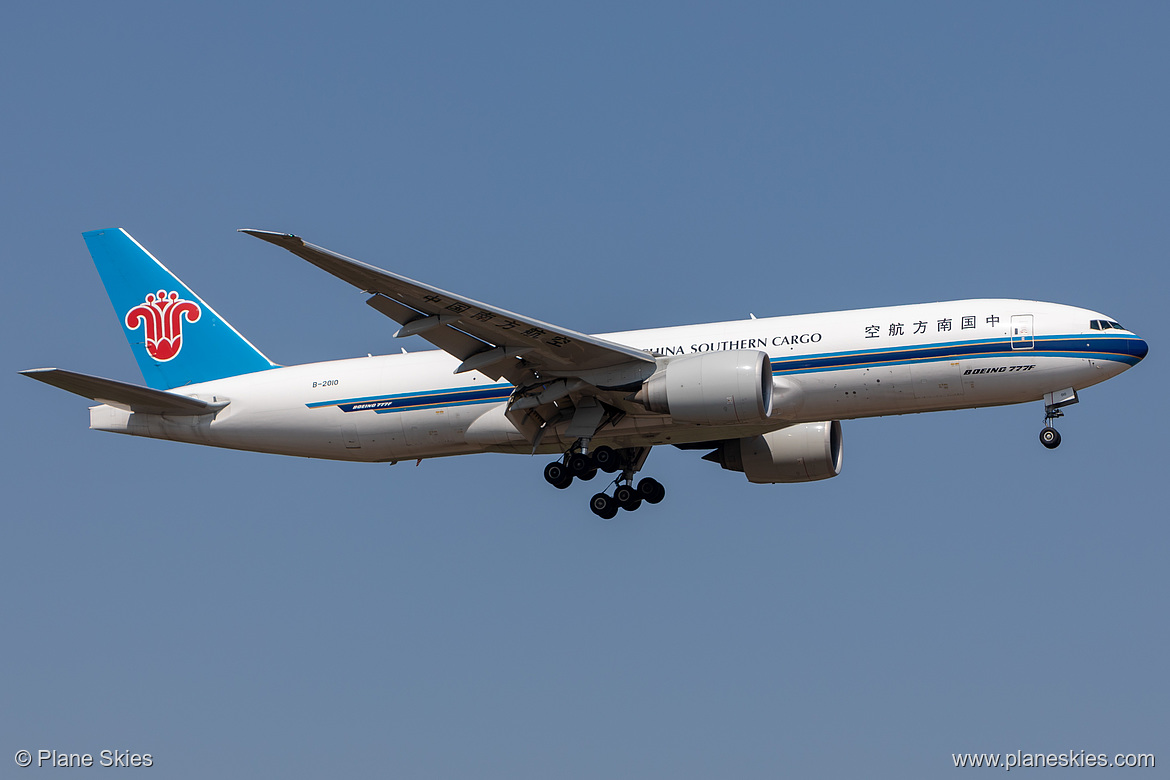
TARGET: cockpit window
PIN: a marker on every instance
(1105, 325)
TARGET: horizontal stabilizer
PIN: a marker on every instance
(123, 394)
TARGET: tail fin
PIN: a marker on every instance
(177, 339)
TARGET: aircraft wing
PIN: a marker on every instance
(488, 339)
(122, 394)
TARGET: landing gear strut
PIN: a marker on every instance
(579, 464)
(1049, 436)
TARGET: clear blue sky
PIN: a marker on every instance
(604, 166)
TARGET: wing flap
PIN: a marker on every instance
(450, 340)
(133, 397)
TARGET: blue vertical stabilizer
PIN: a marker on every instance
(177, 339)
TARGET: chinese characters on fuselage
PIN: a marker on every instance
(969, 322)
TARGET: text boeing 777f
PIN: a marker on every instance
(763, 396)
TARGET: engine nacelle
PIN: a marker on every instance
(798, 453)
(713, 388)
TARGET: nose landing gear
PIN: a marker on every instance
(1050, 437)
(1053, 402)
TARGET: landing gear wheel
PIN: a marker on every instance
(606, 459)
(588, 475)
(627, 498)
(1050, 437)
(557, 475)
(651, 490)
(603, 506)
(579, 464)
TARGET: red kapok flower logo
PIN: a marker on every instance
(162, 316)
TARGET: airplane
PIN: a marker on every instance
(762, 396)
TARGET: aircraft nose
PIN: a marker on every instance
(1138, 348)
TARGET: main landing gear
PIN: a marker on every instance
(628, 497)
(626, 462)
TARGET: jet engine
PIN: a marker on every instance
(712, 388)
(798, 453)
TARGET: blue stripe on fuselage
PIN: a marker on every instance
(1074, 346)
(399, 402)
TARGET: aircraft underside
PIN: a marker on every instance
(800, 441)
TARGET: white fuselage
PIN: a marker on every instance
(830, 366)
